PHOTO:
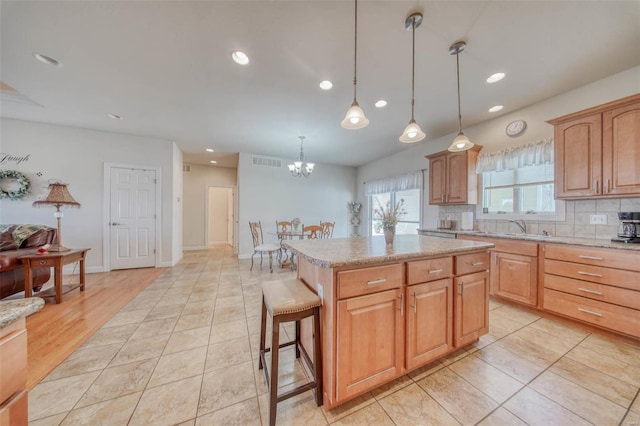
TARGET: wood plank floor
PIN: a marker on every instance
(58, 329)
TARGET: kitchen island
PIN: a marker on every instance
(389, 310)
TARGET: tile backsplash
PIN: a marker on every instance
(576, 223)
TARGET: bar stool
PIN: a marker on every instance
(289, 300)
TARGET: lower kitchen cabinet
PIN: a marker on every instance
(515, 277)
(429, 308)
(471, 307)
(370, 341)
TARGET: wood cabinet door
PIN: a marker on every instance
(621, 150)
(578, 157)
(429, 309)
(437, 179)
(471, 307)
(370, 343)
(515, 277)
(457, 178)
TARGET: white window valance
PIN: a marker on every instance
(404, 182)
(514, 158)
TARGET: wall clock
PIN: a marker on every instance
(515, 128)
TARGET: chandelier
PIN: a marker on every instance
(301, 168)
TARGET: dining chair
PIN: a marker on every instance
(283, 226)
(313, 232)
(260, 247)
(327, 229)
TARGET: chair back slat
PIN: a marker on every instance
(313, 232)
(327, 229)
(256, 233)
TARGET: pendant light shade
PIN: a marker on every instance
(413, 133)
(461, 142)
(355, 118)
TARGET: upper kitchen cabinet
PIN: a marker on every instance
(452, 177)
(597, 151)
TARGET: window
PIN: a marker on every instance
(409, 222)
(527, 189)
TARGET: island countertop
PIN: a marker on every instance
(337, 252)
(12, 310)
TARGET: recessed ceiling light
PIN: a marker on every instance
(496, 108)
(115, 116)
(213, 162)
(209, 150)
(495, 77)
(47, 59)
(381, 103)
(326, 85)
(240, 57)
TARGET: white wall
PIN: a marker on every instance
(269, 194)
(490, 134)
(76, 156)
(196, 186)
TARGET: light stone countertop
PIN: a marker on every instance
(335, 252)
(12, 310)
(590, 242)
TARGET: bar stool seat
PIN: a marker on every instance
(286, 301)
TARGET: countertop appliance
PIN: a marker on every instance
(629, 228)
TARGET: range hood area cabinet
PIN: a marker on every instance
(452, 177)
(597, 151)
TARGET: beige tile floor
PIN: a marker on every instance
(184, 351)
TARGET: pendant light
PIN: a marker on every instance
(461, 142)
(355, 119)
(413, 133)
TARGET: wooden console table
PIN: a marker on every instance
(56, 260)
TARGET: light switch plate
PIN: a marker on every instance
(598, 219)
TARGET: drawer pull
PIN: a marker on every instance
(586, 311)
(401, 297)
(415, 302)
(477, 263)
(586, 290)
(582, 256)
(43, 262)
(589, 274)
(435, 271)
(380, 281)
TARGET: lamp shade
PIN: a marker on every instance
(355, 118)
(460, 143)
(58, 196)
(412, 133)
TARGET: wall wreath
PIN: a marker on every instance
(21, 180)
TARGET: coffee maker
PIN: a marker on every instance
(629, 229)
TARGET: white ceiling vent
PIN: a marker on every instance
(276, 163)
(186, 168)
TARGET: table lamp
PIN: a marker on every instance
(58, 196)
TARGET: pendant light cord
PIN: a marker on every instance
(413, 64)
(458, 74)
(355, 50)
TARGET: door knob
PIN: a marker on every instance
(114, 223)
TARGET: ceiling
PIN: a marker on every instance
(166, 68)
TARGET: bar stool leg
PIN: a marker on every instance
(273, 386)
(263, 332)
(317, 361)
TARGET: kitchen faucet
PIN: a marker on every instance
(521, 224)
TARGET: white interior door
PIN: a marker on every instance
(132, 218)
(218, 215)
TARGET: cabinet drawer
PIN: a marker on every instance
(604, 293)
(597, 274)
(369, 280)
(14, 411)
(13, 363)
(611, 258)
(524, 248)
(422, 271)
(602, 314)
(474, 262)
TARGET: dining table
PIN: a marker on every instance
(286, 256)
